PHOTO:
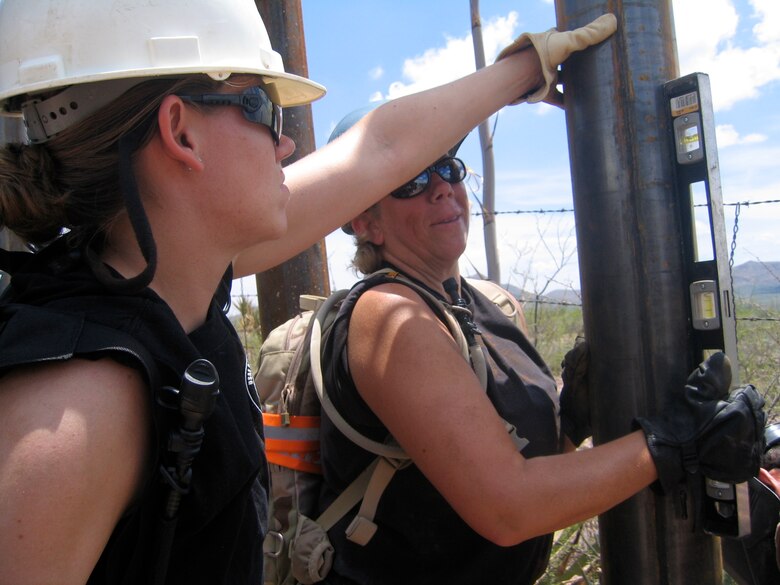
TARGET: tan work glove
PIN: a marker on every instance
(554, 48)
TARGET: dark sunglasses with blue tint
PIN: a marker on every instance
(257, 106)
(450, 169)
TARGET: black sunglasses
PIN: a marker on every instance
(450, 169)
(257, 106)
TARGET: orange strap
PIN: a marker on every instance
(295, 445)
(296, 422)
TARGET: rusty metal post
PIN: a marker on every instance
(279, 288)
(632, 269)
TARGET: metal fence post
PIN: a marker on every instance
(631, 268)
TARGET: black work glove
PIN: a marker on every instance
(704, 430)
(575, 394)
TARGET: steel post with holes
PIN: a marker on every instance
(632, 269)
(307, 273)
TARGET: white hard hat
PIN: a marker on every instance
(49, 44)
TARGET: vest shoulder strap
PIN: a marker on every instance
(503, 299)
(30, 334)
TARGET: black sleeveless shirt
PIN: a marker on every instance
(222, 521)
(420, 538)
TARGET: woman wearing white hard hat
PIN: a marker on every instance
(152, 176)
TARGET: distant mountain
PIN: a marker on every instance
(754, 282)
(758, 282)
(559, 296)
(757, 278)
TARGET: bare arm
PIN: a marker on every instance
(337, 182)
(73, 441)
(452, 426)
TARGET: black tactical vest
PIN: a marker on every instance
(55, 309)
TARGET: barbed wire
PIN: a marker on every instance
(737, 204)
(568, 210)
(571, 304)
(521, 211)
(747, 203)
(550, 302)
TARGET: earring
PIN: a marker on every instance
(200, 160)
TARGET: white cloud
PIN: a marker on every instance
(727, 135)
(741, 54)
(710, 38)
(750, 177)
(708, 41)
(455, 59)
(543, 108)
(768, 30)
(498, 33)
(376, 73)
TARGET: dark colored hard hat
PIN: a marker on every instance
(353, 118)
(350, 120)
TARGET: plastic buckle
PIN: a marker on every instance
(361, 530)
(397, 464)
(273, 544)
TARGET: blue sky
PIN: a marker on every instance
(362, 50)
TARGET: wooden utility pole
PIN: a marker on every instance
(279, 288)
(488, 174)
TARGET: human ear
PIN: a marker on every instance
(366, 225)
(178, 133)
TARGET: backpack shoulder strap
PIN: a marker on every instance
(323, 318)
(503, 299)
(471, 351)
(367, 488)
(319, 322)
(441, 309)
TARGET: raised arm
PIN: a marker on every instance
(337, 182)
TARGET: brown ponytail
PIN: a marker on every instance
(72, 181)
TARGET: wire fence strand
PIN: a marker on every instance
(240, 297)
